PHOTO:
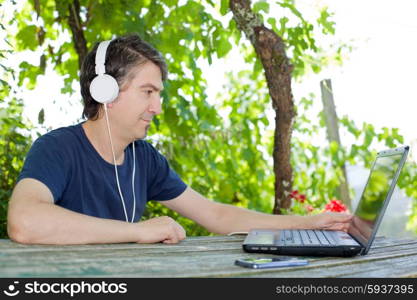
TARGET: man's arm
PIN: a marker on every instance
(33, 218)
(223, 219)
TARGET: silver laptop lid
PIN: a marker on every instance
(376, 195)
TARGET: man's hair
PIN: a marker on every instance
(122, 55)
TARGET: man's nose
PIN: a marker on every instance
(156, 106)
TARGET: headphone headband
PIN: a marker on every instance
(101, 57)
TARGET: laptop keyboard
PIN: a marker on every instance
(306, 237)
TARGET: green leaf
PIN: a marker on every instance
(223, 47)
(224, 7)
(171, 3)
(261, 6)
(316, 68)
(292, 8)
(273, 23)
(248, 155)
(29, 74)
(283, 22)
(26, 38)
(334, 147)
(327, 25)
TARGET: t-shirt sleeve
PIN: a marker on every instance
(164, 182)
(45, 162)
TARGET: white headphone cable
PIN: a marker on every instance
(115, 169)
(133, 181)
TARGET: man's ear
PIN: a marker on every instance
(109, 105)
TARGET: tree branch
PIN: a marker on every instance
(77, 31)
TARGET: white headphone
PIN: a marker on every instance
(104, 89)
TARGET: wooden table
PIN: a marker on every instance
(195, 257)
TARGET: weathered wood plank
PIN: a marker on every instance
(204, 264)
(65, 254)
(157, 249)
(194, 257)
(9, 246)
(220, 265)
(400, 266)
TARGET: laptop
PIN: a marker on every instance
(362, 230)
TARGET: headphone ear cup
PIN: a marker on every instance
(104, 88)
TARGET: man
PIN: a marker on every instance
(79, 183)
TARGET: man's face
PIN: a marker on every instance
(138, 102)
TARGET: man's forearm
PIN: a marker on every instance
(233, 218)
(44, 223)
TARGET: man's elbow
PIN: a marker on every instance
(18, 230)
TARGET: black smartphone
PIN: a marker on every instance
(270, 262)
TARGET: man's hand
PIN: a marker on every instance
(330, 221)
(160, 229)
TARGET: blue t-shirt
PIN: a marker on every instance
(82, 181)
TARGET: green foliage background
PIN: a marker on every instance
(227, 159)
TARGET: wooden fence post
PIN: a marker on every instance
(332, 125)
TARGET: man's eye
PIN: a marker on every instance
(148, 92)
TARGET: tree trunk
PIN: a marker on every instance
(270, 48)
(332, 125)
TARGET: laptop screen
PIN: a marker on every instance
(380, 185)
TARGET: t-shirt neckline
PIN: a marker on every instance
(90, 145)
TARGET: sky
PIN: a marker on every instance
(374, 85)
(377, 83)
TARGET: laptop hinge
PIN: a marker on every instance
(358, 241)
